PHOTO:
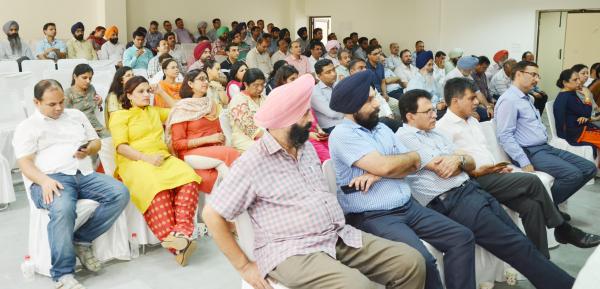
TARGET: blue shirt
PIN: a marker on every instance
(130, 59)
(379, 75)
(348, 143)
(43, 44)
(319, 101)
(518, 124)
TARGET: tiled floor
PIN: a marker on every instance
(208, 268)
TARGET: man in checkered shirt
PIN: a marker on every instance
(301, 238)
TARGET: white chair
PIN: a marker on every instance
(101, 81)
(137, 224)
(64, 77)
(69, 64)
(588, 275)
(103, 65)
(226, 126)
(15, 82)
(11, 114)
(9, 66)
(586, 152)
(37, 67)
(140, 72)
(7, 192)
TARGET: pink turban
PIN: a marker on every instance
(499, 55)
(286, 104)
(200, 48)
(331, 44)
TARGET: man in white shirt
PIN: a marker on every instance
(464, 68)
(394, 60)
(316, 54)
(521, 192)
(406, 71)
(282, 51)
(175, 49)
(439, 71)
(252, 37)
(258, 57)
(112, 49)
(501, 80)
(499, 58)
(53, 147)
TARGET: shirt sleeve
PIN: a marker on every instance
(25, 140)
(506, 125)
(348, 146)
(119, 127)
(412, 143)
(320, 104)
(235, 193)
(179, 139)
(129, 58)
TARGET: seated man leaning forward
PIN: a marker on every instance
(301, 238)
(53, 147)
(369, 158)
(444, 185)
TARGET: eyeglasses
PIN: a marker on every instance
(533, 74)
(432, 111)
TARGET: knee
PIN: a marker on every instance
(63, 211)
(465, 238)
(356, 281)
(590, 170)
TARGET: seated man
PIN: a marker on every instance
(406, 70)
(301, 238)
(233, 52)
(79, 48)
(425, 80)
(50, 47)
(183, 35)
(521, 192)
(297, 60)
(523, 137)
(15, 48)
(112, 49)
(321, 96)
(499, 58)
(444, 185)
(501, 80)
(258, 57)
(464, 68)
(52, 147)
(373, 163)
(137, 56)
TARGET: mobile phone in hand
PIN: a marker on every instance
(348, 189)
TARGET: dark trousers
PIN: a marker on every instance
(495, 231)
(540, 103)
(570, 172)
(412, 222)
(393, 124)
(525, 194)
(482, 112)
(396, 93)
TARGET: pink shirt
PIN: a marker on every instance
(301, 64)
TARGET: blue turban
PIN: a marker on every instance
(352, 92)
(467, 62)
(423, 57)
(76, 26)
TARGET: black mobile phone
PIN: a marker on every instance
(348, 189)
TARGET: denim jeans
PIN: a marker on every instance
(112, 197)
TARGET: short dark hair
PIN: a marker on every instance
(153, 22)
(456, 87)
(166, 21)
(314, 43)
(353, 33)
(346, 39)
(275, 29)
(483, 60)
(263, 37)
(229, 45)
(565, 75)
(578, 67)
(407, 103)
(203, 38)
(321, 64)
(363, 39)
(48, 25)
(440, 54)
(215, 20)
(166, 36)
(276, 66)
(419, 41)
(521, 66)
(283, 73)
(43, 85)
(254, 29)
(525, 54)
(79, 70)
(178, 19)
(130, 86)
(371, 48)
(317, 30)
(138, 33)
(252, 75)
(404, 51)
(186, 91)
(354, 62)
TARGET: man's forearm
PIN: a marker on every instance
(219, 229)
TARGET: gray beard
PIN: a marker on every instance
(15, 45)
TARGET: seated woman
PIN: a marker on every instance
(236, 76)
(194, 132)
(112, 104)
(168, 87)
(317, 137)
(271, 84)
(242, 108)
(215, 91)
(583, 91)
(573, 113)
(164, 188)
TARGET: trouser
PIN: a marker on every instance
(540, 103)
(396, 93)
(173, 211)
(570, 172)
(496, 232)
(411, 223)
(393, 264)
(482, 112)
(525, 194)
(112, 197)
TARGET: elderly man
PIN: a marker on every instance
(282, 50)
(50, 47)
(53, 147)
(444, 186)
(302, 39)
(14, 48)
(297, 60)
(521, 192)
(424, 80)
(501, 81)
(453, 57)
(464, 68)
(332, 47)
(153, 37)
(112, 49)
(77, 47)
(301, 238)
(202, 28)
(137, 56)
(406, 70)
(183, 35)
(499, 58)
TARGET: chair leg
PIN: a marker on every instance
(4, 207)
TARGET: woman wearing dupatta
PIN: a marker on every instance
(168, 85)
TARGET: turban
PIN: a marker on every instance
(202, 24)
(467, 62)
(423, 57)
(200, 49)
(8, 25)
(331, 44)
(301, 31)
(499, 55)
(110, 31)
(222, 30)
(76, 26)
(352, 92)
(455, 53)
(286, 104)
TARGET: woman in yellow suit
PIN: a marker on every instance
(164, 188)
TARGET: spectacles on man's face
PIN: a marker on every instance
(533, 74)
(430, 112)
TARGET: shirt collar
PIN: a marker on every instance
(272, 145)
(452, 117)
(322, 85)
(354, 125)
(37, 114)
(518, 92)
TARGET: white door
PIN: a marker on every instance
(582, 42)
(550, 49)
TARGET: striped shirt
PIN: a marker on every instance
(427, 184)
(289, 204)
(348, 143)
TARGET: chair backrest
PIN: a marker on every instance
(551, 121)
(140, 72)
(329, 172)
(103, 65)
(14, 83)
(9, 66)
(69, 64)
(226, 126)
(489, 131)
(37, 67)
(62, 76)
(12, 109)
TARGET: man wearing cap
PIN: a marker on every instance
(499, 58)
(501, 80)
(373, 163)
(301, 238)
(50, 47)
(218, 46)
(332, 47)
(77, 47)
(202, 31)
(14, 48)
(425, 80)
(453, 57)
(464, 68)
(446, 188)
(112, 49)
(406, 71)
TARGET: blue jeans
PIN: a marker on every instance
(570, 172)
(412, 222)
(112, 197)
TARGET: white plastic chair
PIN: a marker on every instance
(140, 72)
(69, 64)
(137, 224)
(7, 192)
(64, 77)
(586, 152)
(103, 65)
(9, 66)
(226, 126)
(11, 114)
(37, 67)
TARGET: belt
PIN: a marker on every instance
(443, 196)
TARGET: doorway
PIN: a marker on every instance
(323, 22)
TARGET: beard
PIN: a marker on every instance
(15, 43)
(78, 37)
(369, 122)
(114, 40)
(299, 134)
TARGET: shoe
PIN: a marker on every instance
(183, 256)
(87, 258)
(565, 216)
(175, 241)
(68, 282)
(577, 238)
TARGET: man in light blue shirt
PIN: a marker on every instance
(137, 56)
(373, 163)
(444, 186)
(50, 47)
(523, 137)
(321, 95)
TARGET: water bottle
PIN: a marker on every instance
(134, 245)
(28, 268)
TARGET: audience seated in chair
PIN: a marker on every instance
(112, 104)
(168, 88)
(296, 59)
(321, 96)
(202, 52)
(232, 51)
(96, 38)
(52, 147)
(242, 108)
(50, 47)
(464, 68)
(153, 37)
(112, 49)
(183, 35)
(14, 48)
(216, 90)
(258, 57)
(501, 80)
(137, 56)
(314, 247)
(79, 48)
(425, 80)
(236, 77)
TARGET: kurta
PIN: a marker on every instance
(171, 89)
(142, 129)
(241, 116)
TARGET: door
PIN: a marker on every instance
(323, 22)
(582, 41)
(550, 49)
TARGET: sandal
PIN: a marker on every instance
(183, 256)
(87, 258)
(175, 241)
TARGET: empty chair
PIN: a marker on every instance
(69, 64)
(64, 77)
(103, 65)
(37, 67)
(7, 192)
(9, 66)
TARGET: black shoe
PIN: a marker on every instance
(565, 216)
(577, 238)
